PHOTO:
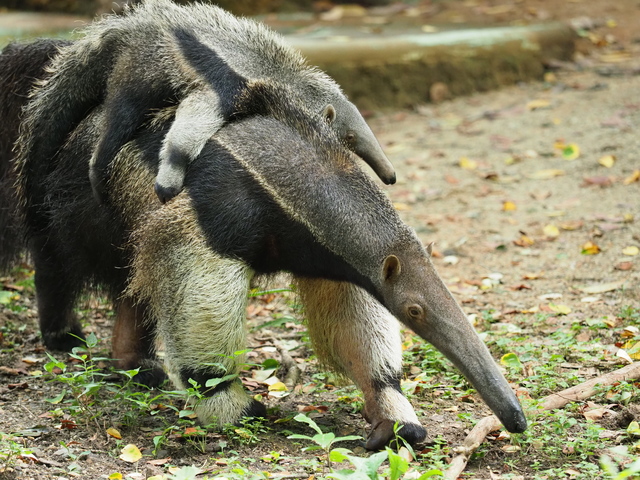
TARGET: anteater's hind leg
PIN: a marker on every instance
(56, 294)
(133, 343)
(352, 333)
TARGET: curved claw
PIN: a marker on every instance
(382, 434)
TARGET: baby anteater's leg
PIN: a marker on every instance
(198, 117)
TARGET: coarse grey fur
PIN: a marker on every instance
(198, 56)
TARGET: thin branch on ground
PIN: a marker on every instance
(556, 400)
(288, 364)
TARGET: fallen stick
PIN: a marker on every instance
(556, 400)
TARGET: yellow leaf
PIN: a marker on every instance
(535, 309)
(631, 251)
(535, 104)
(570, 151)
(532, 276)
(510, 360)
(634, 177)
(114, 433)
(607, 161)
(278, 387)
(115, 476)
(508, 206)
(130, 453)
(611, 23)
(401, 206)
(524, 241)
(556, 213)
(551, 231)
(630, 332)
(633, 349)
(615, 57)
(590, 248)
(546, 174)
(468, 164)
(511, 448)
(602, 287)
(559, 309)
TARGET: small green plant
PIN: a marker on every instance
(323, 441)
(367, 467)
(611, 469)
(84, 381)
(248, 432)
(630, 314)
(10, 451)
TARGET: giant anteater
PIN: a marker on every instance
(267, 194)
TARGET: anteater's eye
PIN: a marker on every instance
(350, 138)
(415, 311)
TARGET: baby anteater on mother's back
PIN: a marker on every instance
(198, 56)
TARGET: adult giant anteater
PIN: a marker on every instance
(273, 192)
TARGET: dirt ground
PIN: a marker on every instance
(520, 228)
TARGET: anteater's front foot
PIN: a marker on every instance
(383, 434)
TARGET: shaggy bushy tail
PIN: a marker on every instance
(74, 83)
(20, 66)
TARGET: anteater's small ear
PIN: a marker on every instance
(390, 267)
(430, 248)
(329, 113)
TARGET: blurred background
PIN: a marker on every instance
(390, 54)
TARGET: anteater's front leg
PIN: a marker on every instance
(356, 336)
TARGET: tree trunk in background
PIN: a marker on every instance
(240, 7)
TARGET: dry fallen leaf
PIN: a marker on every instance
(601, 287)
(559, 309)
(546, 174)
(607, 161)
(624, 266)
(597, 413)
(468, 164)
(536, 104)
(511, 448)
(624, 355)
(598, 180)
(634, 177)
(524, 241)
(590, 248)
(130, 453)
(615, 57)
(535, 309)
(532, 276)
(278, 387)
(551, 231)
(572, 225)
(630, 331)
(114, 433)
(631, 251)
(570, 151)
